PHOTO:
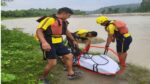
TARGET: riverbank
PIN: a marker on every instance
(22, 63)
(122, 14)
(115, 14)
(90, 15)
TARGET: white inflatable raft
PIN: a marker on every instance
(99, 63)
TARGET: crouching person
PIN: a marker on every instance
(81, 36)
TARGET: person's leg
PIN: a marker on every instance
(119, 53)
(119, 48)
(125, 47)
(69, 64)
(68, 58)
(123, 55)
(51, 63)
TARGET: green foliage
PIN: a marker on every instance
(129, 10)
(103, 11)
(113, 10)
(117, 9)
(34, 13)
(22, 58)
(7, 77)
(4, 2)
(79, 12)
(136, 75)
(145, 6)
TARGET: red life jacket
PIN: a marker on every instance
(53, 34)
(58, 28)
(121, 26)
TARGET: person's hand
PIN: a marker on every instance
(106, 47)
(46, 46)
(75, 43)
(113, 39)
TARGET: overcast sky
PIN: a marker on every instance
(74, 4)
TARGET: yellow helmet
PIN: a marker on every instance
(82, 31)
(101, 19)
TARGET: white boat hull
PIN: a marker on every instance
(106, 65)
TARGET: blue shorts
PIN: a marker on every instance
(123, 44)
(56, 50)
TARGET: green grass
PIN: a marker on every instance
(22, 62)
(22, 59)
(136, 75)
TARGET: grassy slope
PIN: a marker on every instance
(22, 62)
(136, 75)
(22, 59)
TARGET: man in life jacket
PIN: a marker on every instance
(49, 32)
(81, 35)
(84, 35)
(116, 29)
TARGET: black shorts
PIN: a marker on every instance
(56, 50)
(123, 44)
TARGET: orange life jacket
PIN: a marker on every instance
(54, 32)
(121, 26)
(56, 28)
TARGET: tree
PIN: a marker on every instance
(34, 12)
(145, 5)
(103, 11)
(128, 10)
(109, 10)
(116, 10)
(4, 2)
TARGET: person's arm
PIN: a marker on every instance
(109, 40)
(111, 29)
(69, 35)
(113, 40)
(87, 44)
(45, 44)
(43, 25)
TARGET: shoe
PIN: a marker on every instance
(74, 76)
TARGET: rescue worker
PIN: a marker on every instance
(49, 32)
(116, 30)
(81, 35)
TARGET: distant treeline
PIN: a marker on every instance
(144, 6)
(34, 12)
